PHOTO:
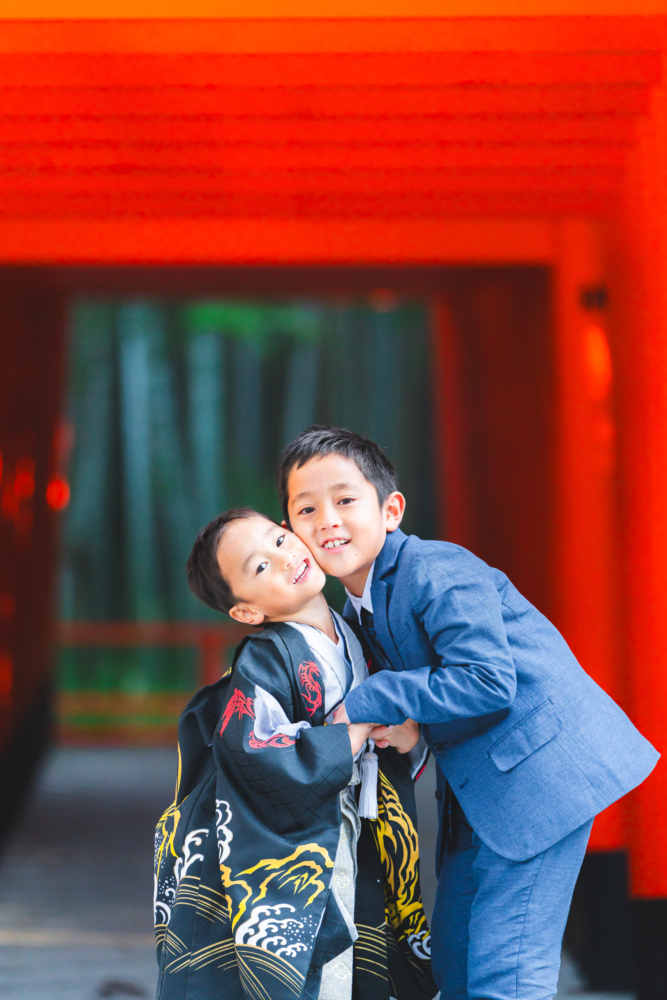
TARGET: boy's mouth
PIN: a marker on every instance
(302, 572)
(335, 543)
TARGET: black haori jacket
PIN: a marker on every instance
(243, 857)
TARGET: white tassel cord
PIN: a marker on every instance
(368, 798)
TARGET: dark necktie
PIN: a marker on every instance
(368, 624)
(368, 628)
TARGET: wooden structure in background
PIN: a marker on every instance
(388, 140)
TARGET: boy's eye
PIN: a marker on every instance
(346, 500)
(306, 510)
(262, 567)
(280, 541)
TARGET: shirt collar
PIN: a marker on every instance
(365, 601)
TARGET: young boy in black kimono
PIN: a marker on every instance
(287, 867)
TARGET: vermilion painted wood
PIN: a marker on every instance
(402, 131)
(640, 347)
(314, 181)
(227, 160)
(30, 402)
(585, 531)
(270, 240)
(135, 209)
(211, 641)
(364, 84)
(338, 34)
(329, 102)
(324, 69)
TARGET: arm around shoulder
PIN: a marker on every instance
(472, 673)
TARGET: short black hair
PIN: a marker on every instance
(320, 440)
(204, 576)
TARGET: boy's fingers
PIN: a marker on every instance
(379, 732)
(382, 744)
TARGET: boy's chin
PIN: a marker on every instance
(340, 565)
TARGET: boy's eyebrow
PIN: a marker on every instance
(336, 486)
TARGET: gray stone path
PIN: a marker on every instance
(76, 882)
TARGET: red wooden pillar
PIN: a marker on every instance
(641, 345)
(31, 337)
(585, 549)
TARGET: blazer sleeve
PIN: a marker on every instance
(472, 672)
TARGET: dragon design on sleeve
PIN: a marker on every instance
(237, 703)
(311, 692)
(242, 705)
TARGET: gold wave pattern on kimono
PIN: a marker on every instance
(370, 950)
(209, 904)
(398, 846)
(300, 871)
(164, 893)
(164, 837)
(254, 962)
(222, 953)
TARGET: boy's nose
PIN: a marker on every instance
(330, 519)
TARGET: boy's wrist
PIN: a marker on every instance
(340, 715)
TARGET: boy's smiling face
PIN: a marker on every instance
(270, 571)
(335, 510)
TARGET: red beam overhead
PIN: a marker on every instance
(226, 161)
(283, 120)
(314, 181)
(368, 131)
(348, 205)
(423, 69)
(335, 34)
(332, 102)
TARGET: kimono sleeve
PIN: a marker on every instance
(289, 774)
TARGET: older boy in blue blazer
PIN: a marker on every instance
(529, 749)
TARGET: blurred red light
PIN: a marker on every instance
(6, 678)
(24, 485)
(57, 493)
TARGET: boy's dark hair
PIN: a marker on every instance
(320, 440)
(204, 577)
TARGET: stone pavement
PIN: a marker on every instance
(76, 882)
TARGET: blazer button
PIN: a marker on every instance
(438, 747)
(438, 794)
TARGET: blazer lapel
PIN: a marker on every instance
(384, 563)
(381, 624)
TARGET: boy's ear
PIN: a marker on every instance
(394, 509)
(246, 615)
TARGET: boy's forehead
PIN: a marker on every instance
(310, 480)
(326, 472)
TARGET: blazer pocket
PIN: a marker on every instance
(529, 735)
(401, 633)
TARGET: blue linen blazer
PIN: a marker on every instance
(531, 746)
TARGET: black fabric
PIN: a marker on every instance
(368, 629)
(244, 855)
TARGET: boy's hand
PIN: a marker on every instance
(358, 733)
(403, 737)
(340, 715)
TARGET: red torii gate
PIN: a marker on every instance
(312, 140)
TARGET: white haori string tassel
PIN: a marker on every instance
(368, 797)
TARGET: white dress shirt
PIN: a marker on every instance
(365, 600)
